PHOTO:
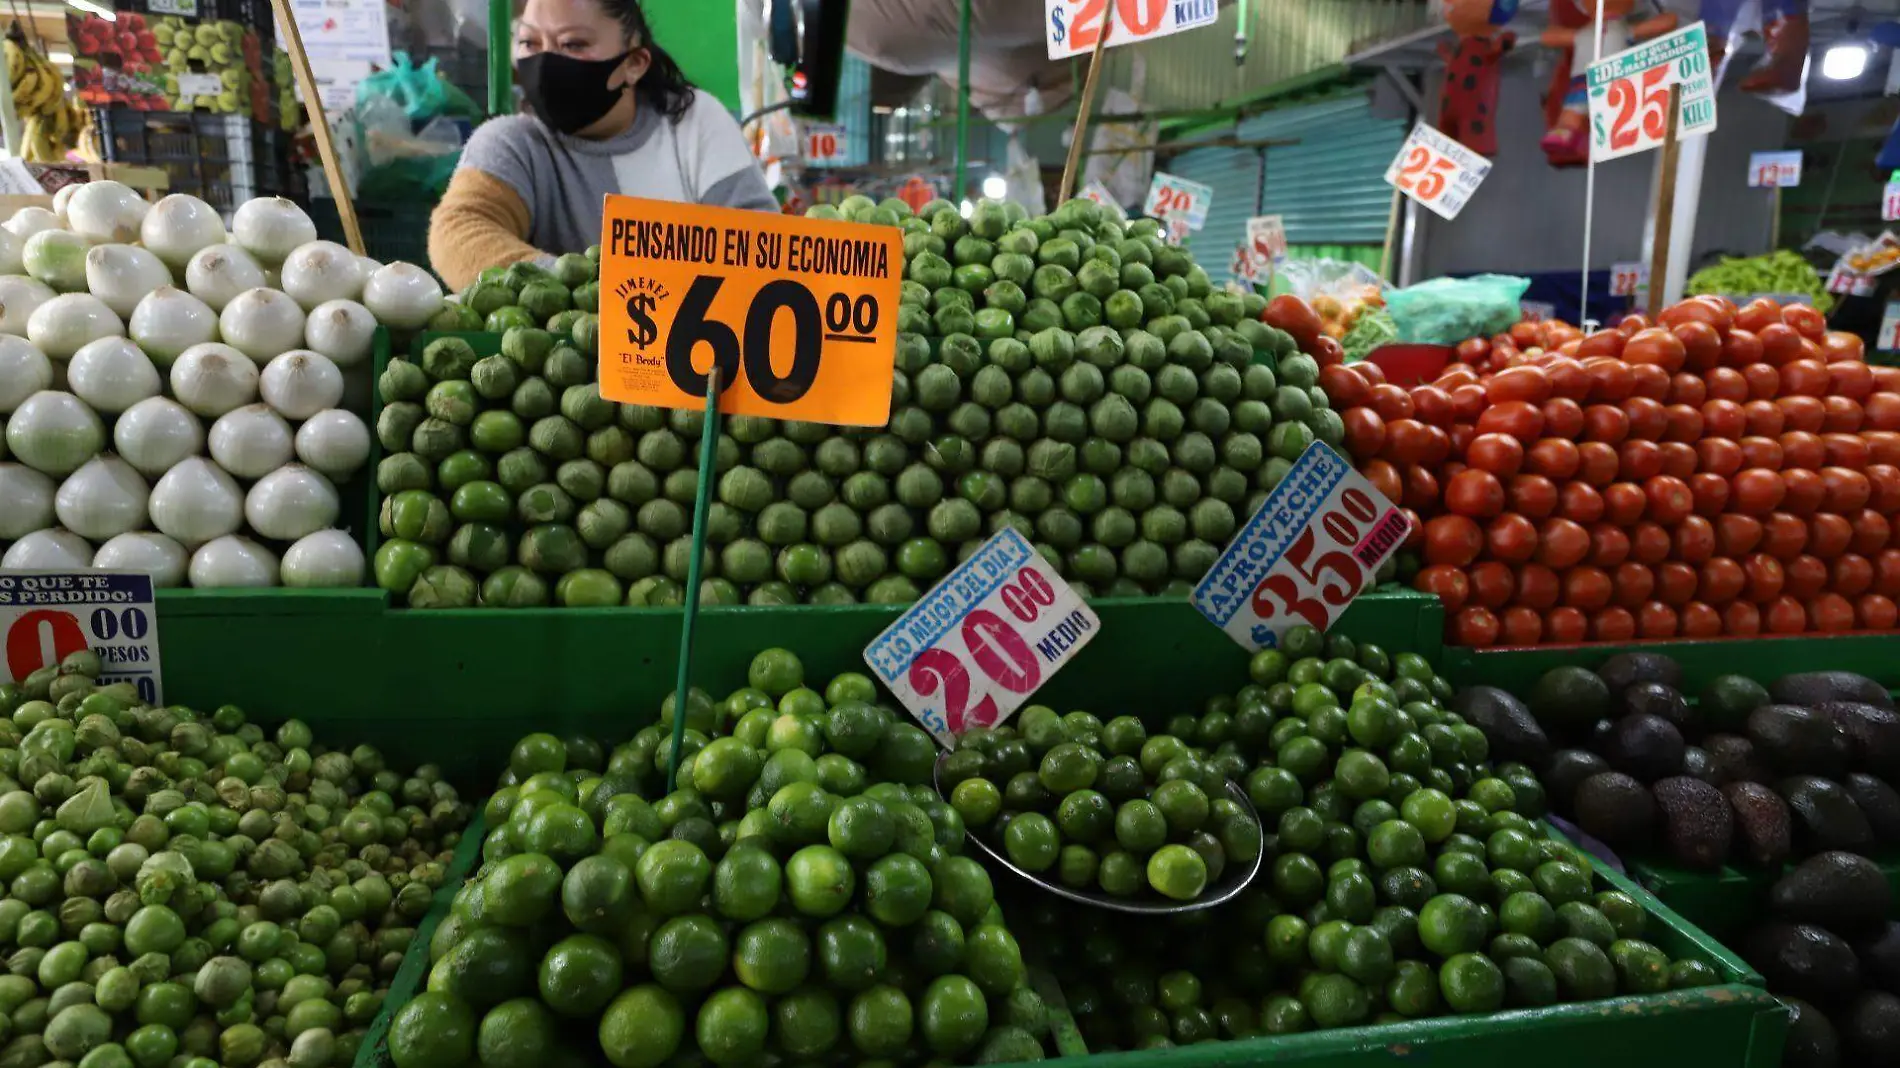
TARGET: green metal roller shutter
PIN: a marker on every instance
(1234, 174)
(1330, 187)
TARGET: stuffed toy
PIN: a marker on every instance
(1572, 33)
(1468, 103)
(1784, 30)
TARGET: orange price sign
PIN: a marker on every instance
(795, 312)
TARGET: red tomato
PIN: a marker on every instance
(1293, 315)
(1520, 626)
(1802, 491)
(1474, 626)
(1850, 379)
(1829, 535)
(1421, 488)
(1649, 543)
(1414, 530)
(1842, 416)
(1561, 543)
(1875, 612)
(1681, 423)
(1758, 314)
(1847, 490)
(1385, 478)
(1408, 441)
(1365, 432)
(1803, 414)
(1676, 582)
(1492, 584)
(1882, 447)
(1721, 580)
(1656, 346)
(1532, 495)
(1473, 349)
(1613, 625)
(1757, 491)
(1723, 419)
(1693, 541)
(1685, 388)
(1391, 402)
(1580, 501)
(1710, 491)
(1552, 457)
(1475, 493)
(1624, 503)
(1631, 584)
(1806, 576)
(1609, 545)
(1511, 538)
(1765, 578)
(1842, 346)
(1800, 448)
(1566, 626)
(1741, 348)
(1343, 387)
(1737, 535)
(1637, 460)
(1523, 383)
(1701, 345)
(1851, 574)
(1445, 582)
(1372, 373)
(1563, 418)
(1611, 380)
(1762, 452)
(1779, 345)
(1604, 343)
(1647, 419)
(1697, 312)
(1328, 352)
(1587, 588)
(1783, 536)
(1656, 620)
(1881, 411)
(1537, 587)
(1727, 383)
(1718, 456)
(1650, 381)
(1519, 419)
(1871, 532)
(1764, 418)
(1433, 405)
(1886, 492)
(1597, 463)
(1467, 401)
(1701, 620)
(1806, 378)
(1496, 453)
(1786, 616)
(1452, 539)
(1678, 459)
(1887, 573)
(1461, 437)
(1606, 423)
(1806, 320)
(1764, 382)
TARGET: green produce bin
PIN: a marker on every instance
(1517, 670)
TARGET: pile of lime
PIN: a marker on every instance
(801, 897)
(1408, 876)
(1107, 806)
(1071, 375)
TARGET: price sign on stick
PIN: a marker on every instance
(1172, 198)
(1890, 202)
(1073, 26)
(1310, 549)
(1774, 170)
(970, 652)
(46, 616)
(798, 314)
(824, 143)
(1625, 278)
(1437, 171)
(1266, 237)
(1889, 337)
(1629, 94)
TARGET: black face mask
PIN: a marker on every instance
(566, 93)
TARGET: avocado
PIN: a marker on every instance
(1624, 670)
(1825, 816)
(1508, 725)
(1761, 823)
(1801, 959)
(1646, 747)
(1814, 687)
(1845, 891)
(1878, 802)
(1870, 1028)
(1569, 698)
(1811, 1039)
(1615, 809)
(1880, 956)
(1873, 734)
(1798, 741)
(1566, 770)
(1698, 764)
(1728, 699)
(1659, 699)
(1697, 824)
(1735, 759)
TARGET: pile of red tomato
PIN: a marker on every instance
(1723, 471)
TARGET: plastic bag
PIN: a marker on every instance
(1336, 289)
(420, 92)
(1445, 311)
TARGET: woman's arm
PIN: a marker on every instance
(481, 222)
(726, 174)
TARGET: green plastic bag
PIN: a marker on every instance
(1445, 311)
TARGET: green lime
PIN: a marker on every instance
(518, 1034)
(1432, 813)
(936, 943)
(1413, 989)
(861, 828)
(1471, 983)
(807, 1023)
(1451, 924)
(1069, 767)
(488, 966)
(992, 958)
(1361, 774)
(642, 1027)
(672, 876)
(1583, 970)
(1178, 990)
(977, 801)
(1178, 872)
(962, 889)
(1561, 883)
(897, 890)
(1685, 974)
(1140, 827)
(953, 1015)
(795, 732)
(1640, 967)
(1334, 1000)
(776, 671)
(1579, 920)
(687, 954)
(579, 975)
(1463, 873)
(433, 1030)
(1124, 736)
(1528, 982)
(1183, 804)
(1032, 842)
(771, 956)
(1085, 816)
(851, 952)
(1527, 913)
(746, 884)
(880, 1021)
(732, 1026)
(820, 880)
(1623, 913)
(516, 892)
(1395, 844)
(1366, 956)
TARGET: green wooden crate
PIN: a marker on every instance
(1517, 670)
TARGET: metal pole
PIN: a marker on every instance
(501, 69)
(963, 103)
(1589, 183)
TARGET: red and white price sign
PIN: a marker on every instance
(1073, 26)
(1774, 170)
(824, 143)
(1099, 193)
(970, 652)
(1173, 198)
(1889, 337)
(1890, 203)
(46, 616)
(1313, 546)
(1243, 268)
(1629, 93)
(1437, 171)
(1627, 278)
(1266, 239)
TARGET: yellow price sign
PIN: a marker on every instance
(798, 314)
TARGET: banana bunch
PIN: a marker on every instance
(49, 123)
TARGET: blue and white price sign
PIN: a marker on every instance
(45, 616)
(970, 652)
(1311, 548)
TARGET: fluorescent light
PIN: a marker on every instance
(996, 187)
(88, 6)
(1842, 62)
(968, 209)
(60, 57)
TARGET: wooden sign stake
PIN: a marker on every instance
(708, 449)
(320, 125)
(1083, 106)
(1665, 206)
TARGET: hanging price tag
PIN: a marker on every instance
(1774, 170)
(1266, 238)
(1243, 268)
(798, 313)
(46, 616)
(1629, 94)
(1099, 193)
(1311, 548)
(1437, 171)
(1626, 278)
(1889, 338)
(824, 143)
(1890, 203)
(1172, 198)
(970, 652)
(1073, 26)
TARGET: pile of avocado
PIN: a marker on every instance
(1830, 949)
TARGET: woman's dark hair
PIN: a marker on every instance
(664, 83)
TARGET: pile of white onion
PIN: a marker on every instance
(172, 395)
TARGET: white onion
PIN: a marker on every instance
(29, 221)
(402, 295)
(29, 497)
(54, 549)
(369, 264)
(196, 501)
(343, 330)
(178, 226)
(155, 554)
(213, 378)
(334, 442)
(106, 211)
(156, 433)
(103, 499)
(63, 325)
(300, 383)
(219, 273)
(57, 258)
(121, 275)
(168, 321)
(271, 228)
(261, 323)
(233, 561)
(112, 374)
(327, 559)
(251, 442)
(62, 198)
(55, 433)
(321, 271)
(291, 502)
(24, 371)
(19, 295)
(12, 248)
